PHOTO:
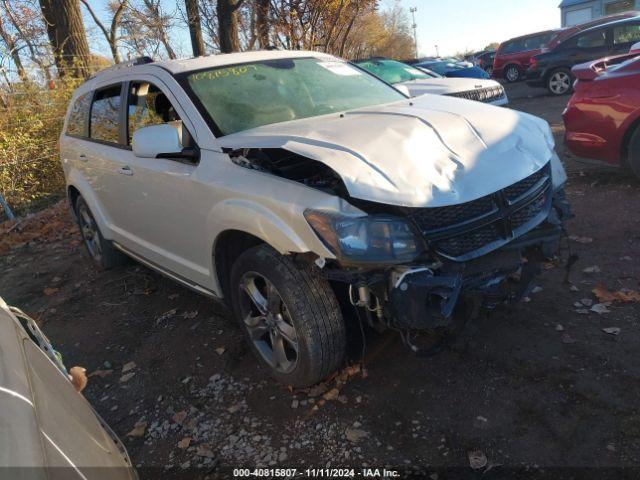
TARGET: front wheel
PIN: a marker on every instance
(290, 316)
(560, 81)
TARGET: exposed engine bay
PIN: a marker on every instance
(477, 254)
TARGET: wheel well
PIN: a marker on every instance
(73, 193)
(228, 247)
(624, 151)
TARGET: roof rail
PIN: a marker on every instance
(129, 63)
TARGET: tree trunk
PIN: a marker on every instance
(195, 27)
(10, 43)
(228, 26)
(262, 22)
(67, 36)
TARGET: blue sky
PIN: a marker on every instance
(453, 25)
(458, 25)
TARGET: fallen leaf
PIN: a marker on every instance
(220, 350)
(126, 377)
(605, 295)
(100, 373)
(179, 417)
(477, 459)
(559, 328)
(184, 443)
(568, 339)
(234, 408)
(48, 291)
(78, 378)
(354, 435)
(204, 451)
(612, 330)
(190, 315)
(138, 429)
(331, 394)
(128, 366)
(600, 308)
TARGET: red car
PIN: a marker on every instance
(602, 119)
(513, 56)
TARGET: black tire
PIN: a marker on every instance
(291, 297)
(560, 82)
(633, 152)
(512, 73)
(101, 251)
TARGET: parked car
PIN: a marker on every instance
(552, 70)
(48, 429)
(513, 56)
(453, 68)
(602, 118)
(571, 31)
(485, 61)
(291, 183)
(419, 82)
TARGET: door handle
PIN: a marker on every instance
(126, 170)
(83, 157)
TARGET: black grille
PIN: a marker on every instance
(489, 94)
(469, 230)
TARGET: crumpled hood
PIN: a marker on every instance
(443, 86)
(428, 152)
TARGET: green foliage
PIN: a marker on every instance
(31, 120)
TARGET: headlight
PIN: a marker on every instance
(366, 240)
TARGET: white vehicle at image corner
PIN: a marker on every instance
(293, 184)
(47, 429)
(421, 81)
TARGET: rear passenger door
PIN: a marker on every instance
(590, 45)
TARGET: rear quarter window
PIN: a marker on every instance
(77, 123)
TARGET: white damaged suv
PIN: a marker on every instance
(303, 190)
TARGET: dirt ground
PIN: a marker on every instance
(533, 387)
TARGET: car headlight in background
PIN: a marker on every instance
(366, 240)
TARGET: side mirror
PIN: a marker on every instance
(161, 141)
(403, 89)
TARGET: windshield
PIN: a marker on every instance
(441, 67)
(391, 71)
(240, 97)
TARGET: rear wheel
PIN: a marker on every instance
(101, 251)
(633, 152)
(560, 81)
(512, 73)
(290, 316)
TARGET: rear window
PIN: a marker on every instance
(105, 115)
(77, 123)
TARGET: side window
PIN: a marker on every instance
(594, 39)
(626, 34)
(148, 105)
(105, 115)
(77, 124)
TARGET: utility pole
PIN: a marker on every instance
(413, 11)
(437, 51)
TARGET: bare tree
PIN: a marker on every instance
(262, 22)
(195, 27)
(227, 13)
(148, 25)
(11, 47)
(110, 34)
(67, 36)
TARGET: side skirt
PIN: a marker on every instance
(173, 276)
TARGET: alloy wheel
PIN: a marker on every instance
(268, 322)
(560, 83)
(90, 234)
(512, 74)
